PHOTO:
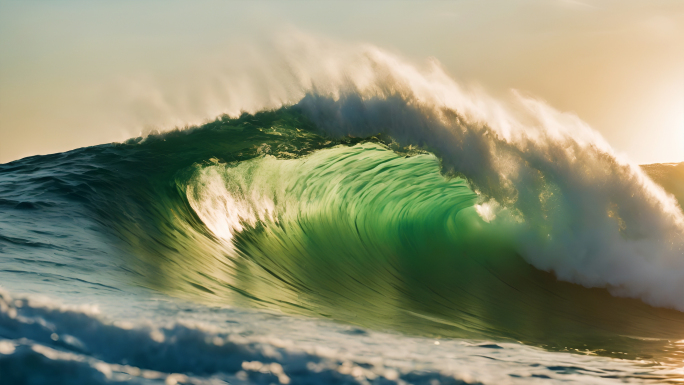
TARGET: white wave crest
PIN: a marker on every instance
(590, 216)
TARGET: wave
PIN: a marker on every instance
(590, 218)
(268, 210)
(594, 218)
(387, 197)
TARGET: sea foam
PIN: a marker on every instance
(41, 342)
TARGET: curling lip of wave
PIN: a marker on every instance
(593, 218)
(578, 210)
(499, 147)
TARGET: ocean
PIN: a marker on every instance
(342, 240)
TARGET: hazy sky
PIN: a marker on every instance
(619, 65)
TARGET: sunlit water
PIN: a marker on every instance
(271, 249)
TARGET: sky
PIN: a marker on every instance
(72, 72)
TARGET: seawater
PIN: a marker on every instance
(332, 242)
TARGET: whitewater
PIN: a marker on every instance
(349, 217)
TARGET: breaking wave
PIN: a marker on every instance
(385, 196)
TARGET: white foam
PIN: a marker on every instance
(591, 216)
(265, 349)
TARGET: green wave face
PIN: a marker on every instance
(338, 224)
(363, 235)
(264, 211)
